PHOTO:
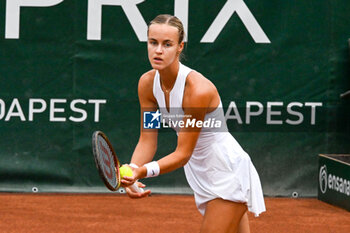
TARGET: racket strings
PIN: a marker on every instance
(108, 163)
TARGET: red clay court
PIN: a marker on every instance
(24, 213)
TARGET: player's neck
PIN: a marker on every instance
(168, 75)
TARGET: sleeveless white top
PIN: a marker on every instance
(218, 167)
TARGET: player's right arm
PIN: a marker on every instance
(147, 144)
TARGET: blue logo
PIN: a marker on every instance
(151, 120)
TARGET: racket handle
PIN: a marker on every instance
(136, 188)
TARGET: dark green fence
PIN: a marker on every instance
(70, 67)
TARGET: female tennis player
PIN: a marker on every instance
(220, 172)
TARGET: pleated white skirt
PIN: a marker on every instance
(220, 168)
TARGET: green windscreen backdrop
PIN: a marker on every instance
(70, 67)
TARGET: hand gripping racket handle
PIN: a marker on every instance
(136, 188)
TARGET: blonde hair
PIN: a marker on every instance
(172, 21)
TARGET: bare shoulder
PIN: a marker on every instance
(197, 84)
(145, 89)
(146, 79)
(200, 88)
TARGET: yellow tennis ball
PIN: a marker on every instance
(125, 171)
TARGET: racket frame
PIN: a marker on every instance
(96, 153)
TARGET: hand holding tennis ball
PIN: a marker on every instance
(125, 171)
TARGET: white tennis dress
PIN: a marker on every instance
(218, 167)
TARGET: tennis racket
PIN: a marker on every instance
(107, 162)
